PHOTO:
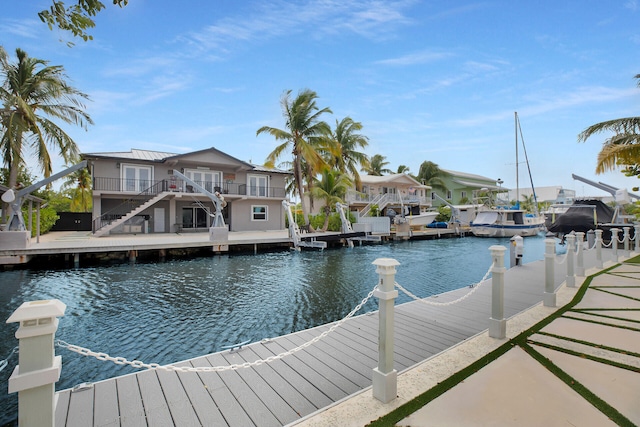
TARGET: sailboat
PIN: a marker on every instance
(510, 221)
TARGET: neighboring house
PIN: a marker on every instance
(137, 192)
(386, 192)
(553, 195)
(464, 188)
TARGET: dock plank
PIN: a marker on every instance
(130, 402)
(81, 408)
(245, 395)
(296, 400)
(278, 406)
(180, 405)
(155, 402)
(62, 407)
(232, 412)
(305, 387)
(202, 402)
(106, 404)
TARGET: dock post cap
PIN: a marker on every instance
(386, 262)
(33, 310)
(497, 248)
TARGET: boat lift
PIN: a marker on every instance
(294, 232)
(217, 199)
(16, 198)
(620, 196)
(218, 230)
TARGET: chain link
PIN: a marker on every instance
(5, 361)
(564, 258)
(139, 364)
(474, 287)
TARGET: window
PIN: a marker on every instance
(433, 195)
(136, 178)
(258, 185)
(258, 213)
(463, 194)
(210, 180)
(449, 195)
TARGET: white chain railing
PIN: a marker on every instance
(474, 287)
(604, 245)
(5, 361)
(563, 259)
(138, 364)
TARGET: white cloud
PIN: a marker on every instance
(314, 18)
(22, 28)
(415, 58)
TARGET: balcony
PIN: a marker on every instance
(151, 188)
(355, 197)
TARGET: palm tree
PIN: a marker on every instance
(331, 189)
(342, 151)
(303, 131)
(621, 149)
(403, 169)
(377, 165)
(78, 185)
(32, 94)
(431, 174)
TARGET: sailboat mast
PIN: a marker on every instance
(517, 173)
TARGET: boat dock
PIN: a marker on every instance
(78, 245)
(300, 386)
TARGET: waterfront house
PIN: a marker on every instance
(554, 195)
(464, 188)
(137, 191)
(387, 193)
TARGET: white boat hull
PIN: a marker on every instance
(506, 230)
(506, 223)
(421, 219)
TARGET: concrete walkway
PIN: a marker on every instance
(596, 343)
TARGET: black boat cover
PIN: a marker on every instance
(580, 217)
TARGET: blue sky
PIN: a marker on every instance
(429, 80)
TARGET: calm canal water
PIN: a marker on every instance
(176, 310)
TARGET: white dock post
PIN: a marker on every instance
(580, 252)
(626, 237)
(497, 322)
(571, 277)
(636, 237)
(549, 270)
(385, 378)
(614, 243)
(598, 245)
(38, 368)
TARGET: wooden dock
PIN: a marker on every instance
(284, 391)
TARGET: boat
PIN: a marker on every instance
(506, 222)
(593, 214)
(424, 218)
(510, 221)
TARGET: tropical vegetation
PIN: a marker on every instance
(33, 95)
(622, 148)
(303, 134)
(76, 18)
(331, 188)
(377, 165)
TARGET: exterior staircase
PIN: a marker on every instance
(382, 200)
(107, 228)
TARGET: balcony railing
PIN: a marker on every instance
(147, 187)
(358, 197)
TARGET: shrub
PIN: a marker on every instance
(48, 218)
